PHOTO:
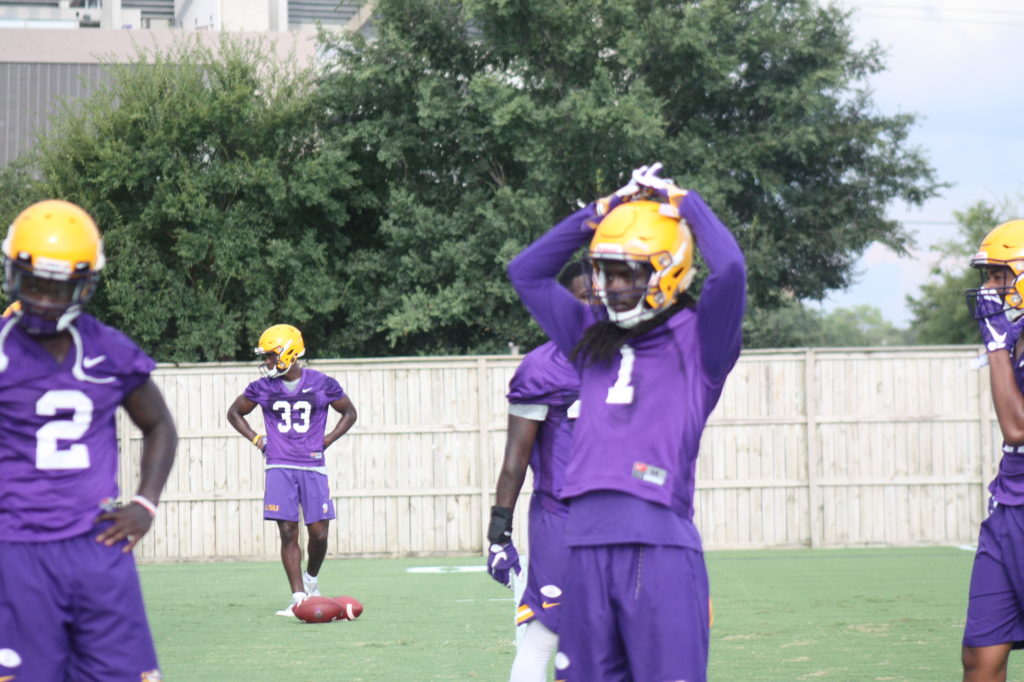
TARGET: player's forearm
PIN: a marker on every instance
(340, 429)
(510, 484)
(520, 437)
(1006, 397)
(543, 259)
(239, 424)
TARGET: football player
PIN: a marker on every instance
(995, 608)
(70, 603)
(543, 403)
(295, 402)
(652, 367)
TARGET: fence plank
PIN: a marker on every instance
(830, 447)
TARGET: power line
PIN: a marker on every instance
(938, 14)
(939, 20)
(934, 8)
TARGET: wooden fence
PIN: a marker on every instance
(807, 448)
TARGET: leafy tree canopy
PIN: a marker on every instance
(795, 325)
(376, 204)
(478, 124)
(222, 211)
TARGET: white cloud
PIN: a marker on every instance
(952, 63)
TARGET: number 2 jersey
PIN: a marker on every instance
(635, 443)
(296, 418)
(58, 437)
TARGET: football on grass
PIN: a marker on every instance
(318, 610)
(350, 607)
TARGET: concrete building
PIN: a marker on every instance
(52, 49)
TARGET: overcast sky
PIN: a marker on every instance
(957, 64)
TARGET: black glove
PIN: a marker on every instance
(500, 530)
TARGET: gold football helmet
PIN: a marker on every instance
(284, 341)
(1002, 247)
(643, 242)
(53, 255)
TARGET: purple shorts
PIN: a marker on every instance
(288, 489)
(635, 612)
(72, 609)
(995, 607)
(545, 577)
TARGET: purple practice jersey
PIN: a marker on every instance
(1008, 485)
(642, 415)
(295, 419)
(58, 441)
(545, 377)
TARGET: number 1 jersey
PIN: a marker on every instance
(58, 439)
(295, 419)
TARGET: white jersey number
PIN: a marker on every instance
(72, 428)
(621, 393)
(293, 416)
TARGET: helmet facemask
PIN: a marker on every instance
(642, 260)
(622, 285)
(53, 254)
(49, 302)
(1000, 263)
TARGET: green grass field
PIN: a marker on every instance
(860, 614)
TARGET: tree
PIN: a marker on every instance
(940, 314)
(221, 210)
(795, 325)
(479, 123)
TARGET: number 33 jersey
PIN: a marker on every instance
(58, 438)
(295, 420)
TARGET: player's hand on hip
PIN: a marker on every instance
(1000, 326)
(130, 523)
(502, 560)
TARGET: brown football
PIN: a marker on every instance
(318, 610)
(350, 607)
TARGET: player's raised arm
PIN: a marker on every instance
(1001, 324)
(534, 275)
(723, 296)
(535, 270)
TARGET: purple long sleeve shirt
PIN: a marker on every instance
(630, 476)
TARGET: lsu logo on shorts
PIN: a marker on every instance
(272, 507)
(151, 676)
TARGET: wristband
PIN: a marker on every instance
(256, 440)
(146, 504)
(500, 530)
